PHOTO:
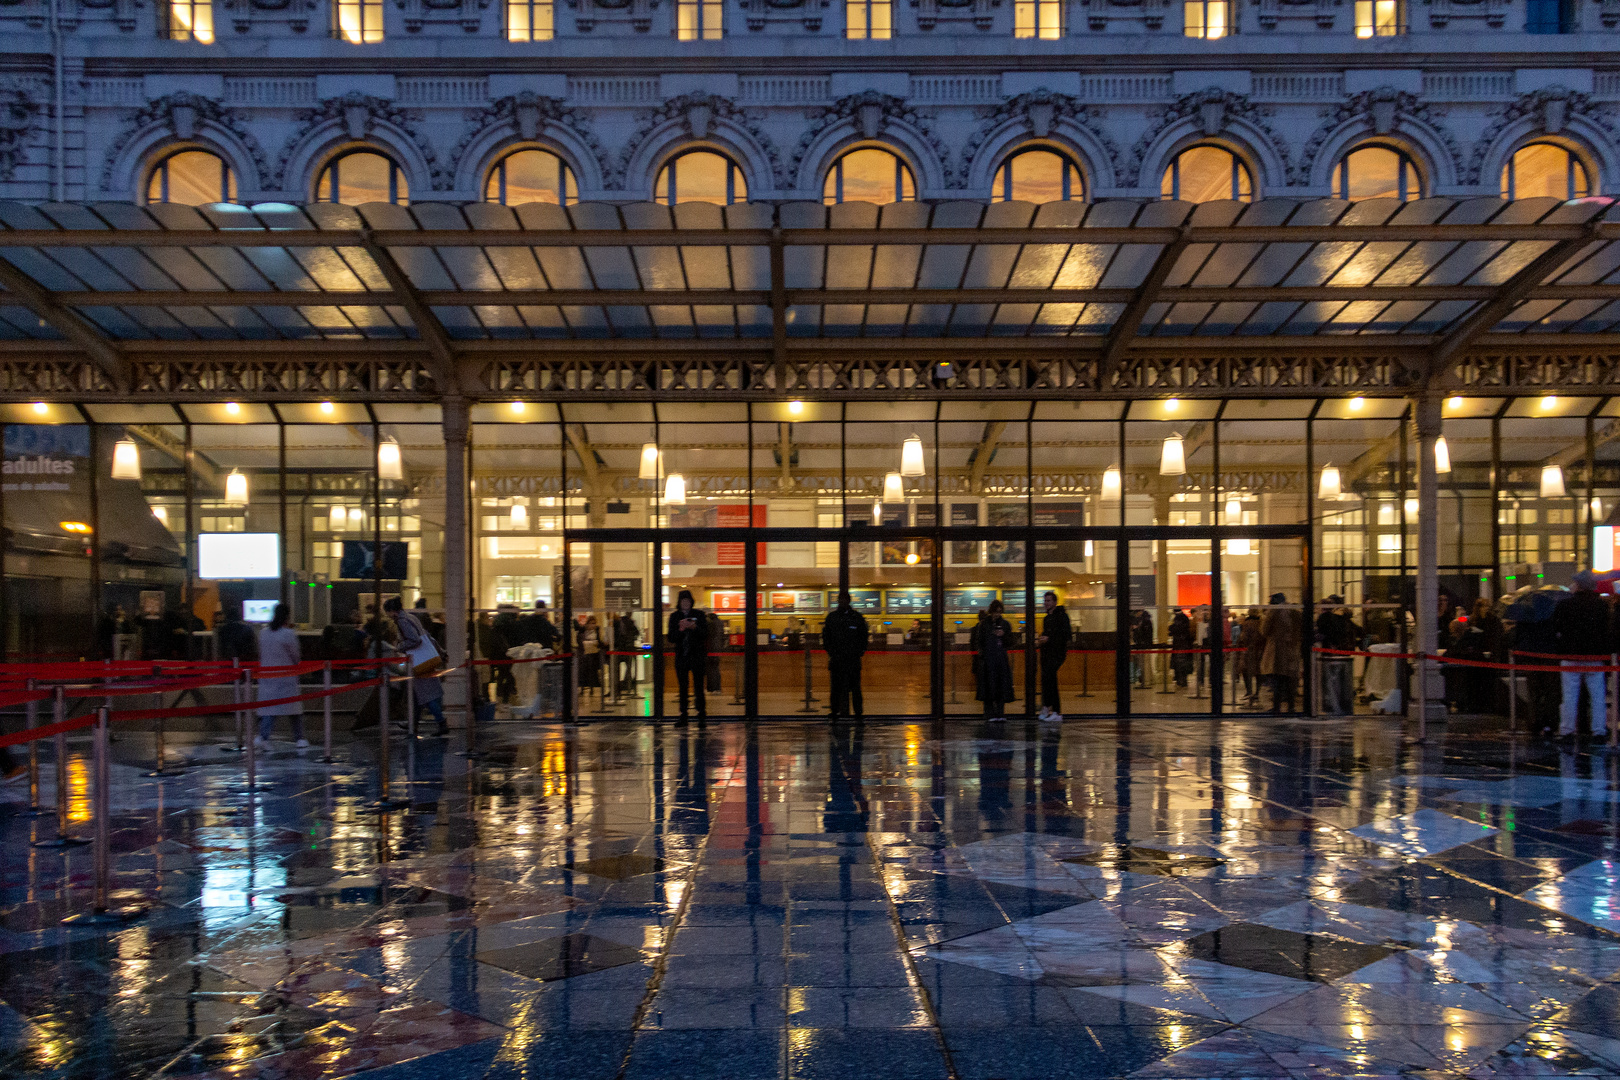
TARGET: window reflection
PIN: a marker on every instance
(191, 178)
(531, 176)
(1038, 176)
(701, 176)
(1207, 174)
(1544, 169)
(362, 177)
(1376, 172)
(869, 175)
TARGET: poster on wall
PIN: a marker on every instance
(621, 594)
(1006, 516)
(967, 601)
(964, 552)
(908, 602)
(899, 552)
(1060, 515)
(720, 516)
(866, 601)
(812, 602)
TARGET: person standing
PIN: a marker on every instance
(625, 635)
(1181, 648)
(689, 639)
(1056, 634)
(1141, 639)
(426, 689)
(1336, 633)
(845, 636)
(538, 628)
(1582, 625)
(995, 671)
(1251, 646)
(590, 643)
(235, 639)
(278, 648)
(1280, 662)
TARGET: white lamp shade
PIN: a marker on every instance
(1237, 547)
(1328, 486)
(649, 462)
(911, 458)
(1442, 456)
(162, 513)
(236, 489)
(675, 490)
(1173, 458)
(1090, 549)
(126, 463)
(1552, 482)
(520, 516)
(340, 519)
(1234, 512)
(1111, 485)
(894, 489)
(389, 465)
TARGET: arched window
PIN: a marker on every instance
(1207, 174)
(191, 178)
(1038, 176)
(1376, 172)
(362, 176)
(526, 176)
(1543, 169)
(869, 175)
(701, 176)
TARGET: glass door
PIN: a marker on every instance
(712, 568)
(1080, 572)
(616, 623)
(891, 584)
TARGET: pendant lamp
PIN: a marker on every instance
(675, 490)
(1111, 484)
(1328, 486)
(1173, 458)
(1552, 482)
(1442, 456)
(236, 489)
(520, 515)
(126, 463)
(389, 465)
(911, 457)
(649, 462)
(894, 489)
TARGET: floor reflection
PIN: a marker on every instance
(798, 900)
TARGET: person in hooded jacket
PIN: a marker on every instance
(995, 671)
(845, 636)
(689, 642)
(1056, 634)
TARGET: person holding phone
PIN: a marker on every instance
(689, 638)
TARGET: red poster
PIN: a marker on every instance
(735, 516)
(1192, 589)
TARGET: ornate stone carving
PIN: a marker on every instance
(1151, 12)
(1550, 110)
(697, 114)
(19, 121)
(1441, 11)
(184, 115)
(1381, 109)
(1269, 12)
(1214, 109)
(808, 13)
(932, 12)
(871, 112)
(418, 13)
(526, 115)
(638, 13)
(71, 12)
(1039, 110)
(359, 114)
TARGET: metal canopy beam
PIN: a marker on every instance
(67, 322)
(1130, 320)
(427, 324)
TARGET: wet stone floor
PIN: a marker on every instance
(624, 901)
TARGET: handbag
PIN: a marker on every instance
(424, 659)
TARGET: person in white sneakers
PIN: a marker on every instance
(1056, 634)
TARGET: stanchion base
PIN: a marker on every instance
(384, 806)
(162, 773)
(37, 811)
(233, 749)
(61, 842)
(108, 917)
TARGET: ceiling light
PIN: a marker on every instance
(675, 490)
(1454, 402)
(356, 514)
(1111, 484)
(389, 465)
(520, 515)
(649, 462)
(339, 520)
(911, 457)
(328, 408)
(1442, 456)
(41, 408)
(75, 527)
(911, 558)
(1090, 549)
(518, 407)
(795, 407)
(1172, 404)
(232, 408)
(126, 463)
(1411, 507)
(1239, 546)
(1597, 508)
(1552, 482)
(1328, 486)
(894, 488)
(1549, 402)
(236, 489)
(1357, 402)
(162, 513)
(1173, 458)
(877, 512)
(1234, 512)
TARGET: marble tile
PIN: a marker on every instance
(1422, 832)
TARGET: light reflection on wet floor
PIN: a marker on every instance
(1150, 899)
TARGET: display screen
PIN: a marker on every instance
(238, 555)
(258, 610)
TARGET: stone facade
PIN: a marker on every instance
(784, 93)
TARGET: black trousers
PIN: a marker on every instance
(845, 675)
(1049, 680)
(696, 671)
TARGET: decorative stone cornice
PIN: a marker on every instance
(183, 115)
(1039, 111)
(1549, 110)
(697, 113)
(19, 121)
(526, 114)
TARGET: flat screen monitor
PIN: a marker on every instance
(238, 555)
(259, 610)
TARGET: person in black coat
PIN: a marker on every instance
(1181, 645)
(845, 636)
(995, 671)
(235, 639)
(689, 641)
(1582, 623)
(1056, 634)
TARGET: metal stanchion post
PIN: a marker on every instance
(807, 698)
(1085, 673)
(102, 910)
(59, 744)
(1423, 695)
(385, 800)
(950, 669)
(161, 756)
(245, 696)
(410, 705)
(737, 681)
(1612, 680)
(236, 696)
(34, 808)
(1513, 694)
(326, 710)
(471, 753)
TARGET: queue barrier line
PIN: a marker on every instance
(1585, 665)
